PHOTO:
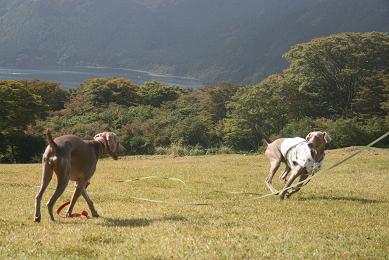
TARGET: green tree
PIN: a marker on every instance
(50, 92)
(102, 91)
(189, 103)
(332, 71)
(155, 93)
(239, 135)
(384, 83)
(18, 106)
(142, 132)
(255, 110)
(219, 96)
(370, 97)
(193, 131)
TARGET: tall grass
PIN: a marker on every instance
(178, 150)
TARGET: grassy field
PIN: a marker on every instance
(341, 214)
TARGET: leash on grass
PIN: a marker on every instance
(256, 195)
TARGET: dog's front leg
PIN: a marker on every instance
(77, 192)
(298, 187)
(90, 203)
(296, 171)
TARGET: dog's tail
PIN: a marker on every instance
(264, 136)
(52, 144)
(267, 139)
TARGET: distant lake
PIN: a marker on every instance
(71, 77)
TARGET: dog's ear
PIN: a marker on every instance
(103, 134)
(121, 150)
(327, 137)
(112, 141)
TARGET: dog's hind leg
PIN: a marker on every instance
(274, 165)
(284, 175)
(47, 174)
(63, 180)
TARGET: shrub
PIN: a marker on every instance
(351, 131)
(299, 128)
(18, 147)
(180, 150)
(137, 145)
(219, 150)
(197, 150)
(344, 131)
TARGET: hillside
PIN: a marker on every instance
(211, 40)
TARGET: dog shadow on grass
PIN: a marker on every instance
(341, 198)
(140, 222)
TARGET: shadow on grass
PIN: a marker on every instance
(139, 222)
(354, 199)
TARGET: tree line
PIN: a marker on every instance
(338, 83)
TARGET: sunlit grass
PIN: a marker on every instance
(341, 214)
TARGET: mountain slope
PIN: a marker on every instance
(212, 40)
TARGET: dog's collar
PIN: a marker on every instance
(102, 140)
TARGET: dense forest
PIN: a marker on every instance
(239, 41)
(338, 83)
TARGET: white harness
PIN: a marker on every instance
(296, 150)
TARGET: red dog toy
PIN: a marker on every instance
(82, 214)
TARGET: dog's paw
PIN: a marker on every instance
(284, 194)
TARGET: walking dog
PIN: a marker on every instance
(72, 158)
(301, 156)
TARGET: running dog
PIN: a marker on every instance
(301, 156)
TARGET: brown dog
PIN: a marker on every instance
(72, 158)
(301, 156)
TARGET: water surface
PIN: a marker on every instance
(71, 77)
